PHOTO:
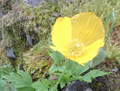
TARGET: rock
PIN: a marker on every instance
(77, 86)
(32, 2)
(10, 53)
(0, 35)
(29, 41)
(1, 14)
(0, 38)
(88, 89)
(21, 67)
(114, 70)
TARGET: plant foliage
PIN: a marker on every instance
(20, 80)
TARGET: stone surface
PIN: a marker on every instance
(75, 86)
(29, 41)
(10, 53)
(33, 2)
(1, 15)
(0, 36)
(114, 70)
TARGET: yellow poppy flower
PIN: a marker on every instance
(78, 38)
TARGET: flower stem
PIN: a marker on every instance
(111, 25)
(55, 88)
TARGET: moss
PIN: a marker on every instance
(2, 56)
(6, 5)
(106, 83)
(101, 8)
(24, 20)
(37, 62)
(112, 51)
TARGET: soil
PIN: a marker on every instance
(115, 37)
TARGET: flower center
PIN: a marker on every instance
(75, 48)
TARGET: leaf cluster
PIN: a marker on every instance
(20, 80)
(74, 70)
(5, 69)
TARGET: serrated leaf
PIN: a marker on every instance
(53, 69)
(43, 85)
(70, 64)
(29, 88)
(51, 89)
(56, 56)
(66, 78)
(62, 68)
(62, 84)
(56, 68)
(20, 80)
(2, 85)
(80, 78)
(94, 74)
(9, 87)
(80, 69)
(99, 58)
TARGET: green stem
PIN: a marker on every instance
(111, 25)
(55, 88)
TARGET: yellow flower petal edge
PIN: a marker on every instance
(78, 38)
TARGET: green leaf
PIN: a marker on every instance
(66, 78)
(51, 89)
(70, 64)
(99, 58)
(28, 88)
(43, 85)
(50, 43)
(80, 69)
(94, 74)
(62, 84)
(2, 85)
(80, 78)
(56, 56)
(11, 88)
(56, 68)
(62, 68)
(21, 80)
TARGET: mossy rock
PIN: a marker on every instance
(6, 5)
(37, 61)
(106, 83)
(24, 20)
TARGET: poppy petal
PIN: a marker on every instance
(90, 52)
(61, 32)
(87, 27)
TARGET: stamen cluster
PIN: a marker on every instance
(75, 48)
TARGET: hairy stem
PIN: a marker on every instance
(113, 21)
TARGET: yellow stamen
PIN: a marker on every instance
(75, 48)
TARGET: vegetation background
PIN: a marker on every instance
(26, 29)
